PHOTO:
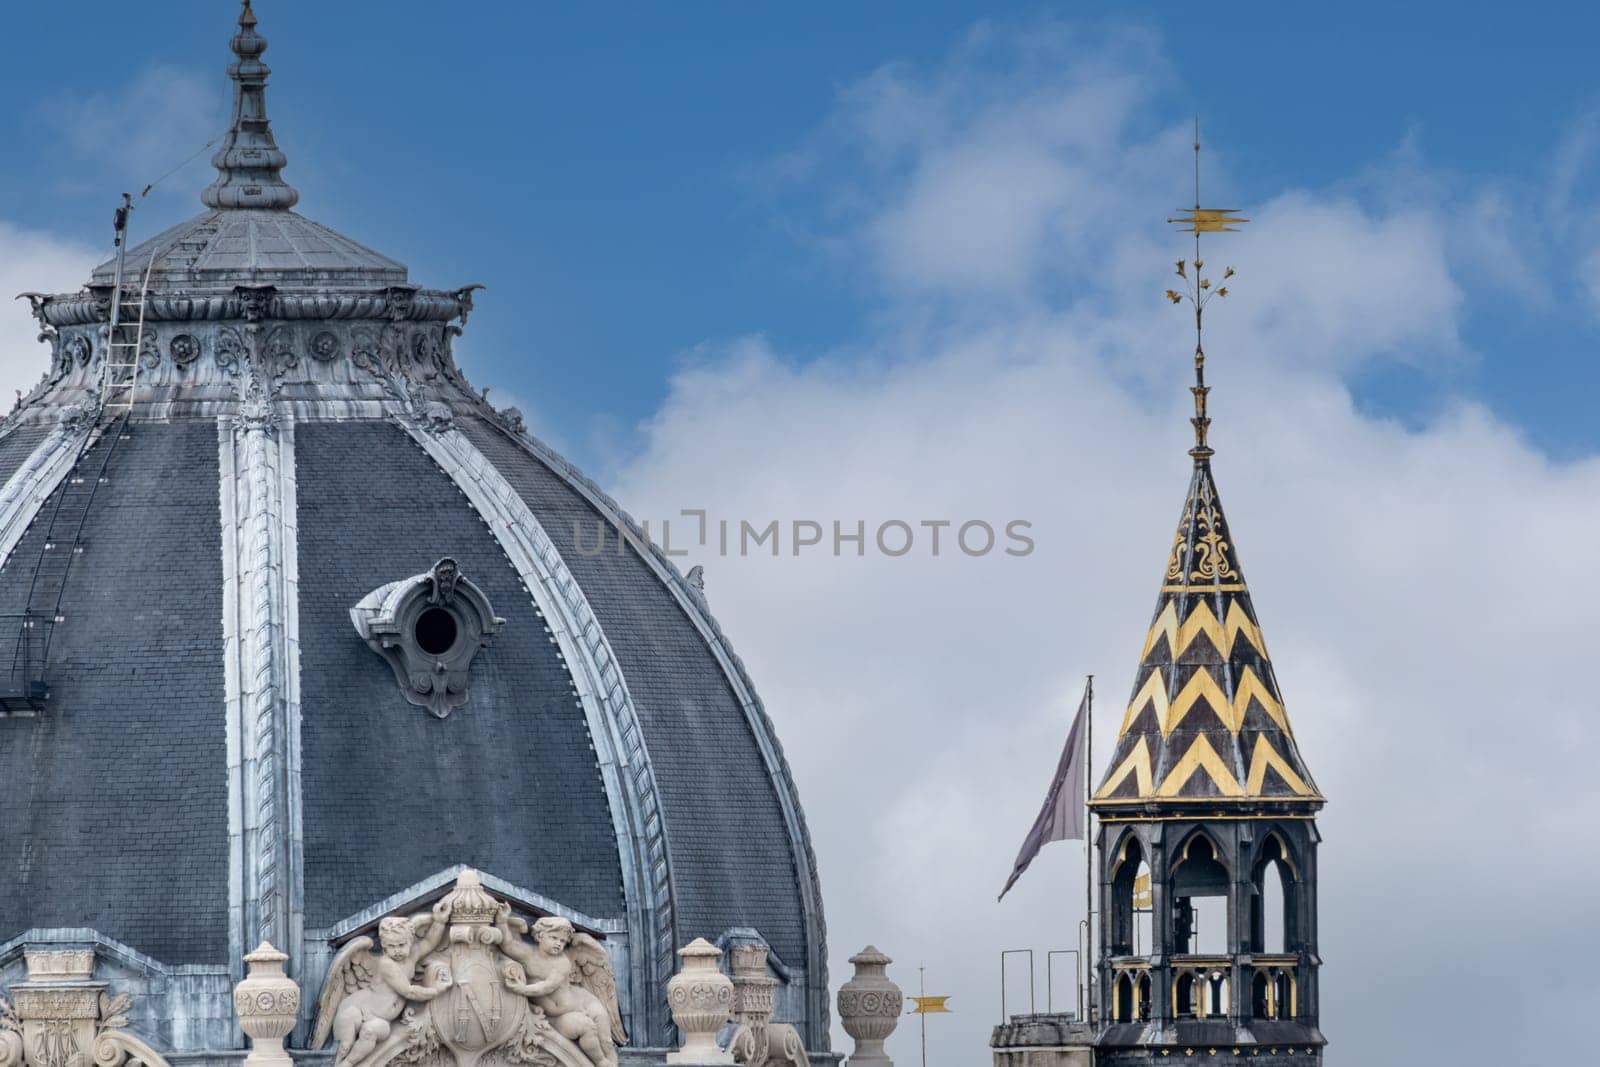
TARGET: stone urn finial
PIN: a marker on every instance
(701, 998)
(268, 1004)
(869, 1006)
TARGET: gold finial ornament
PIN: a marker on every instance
(1197, 290)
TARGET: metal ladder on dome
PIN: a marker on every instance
(25, 689)
(125, 339)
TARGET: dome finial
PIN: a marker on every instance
(1197, 290)
(249, 161)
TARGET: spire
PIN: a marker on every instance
(249, 160)
(1198, 292)
(1206, 721)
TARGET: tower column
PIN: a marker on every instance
(1160, 951)
(1240, 895)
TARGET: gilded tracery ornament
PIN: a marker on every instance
(1211, 562)
(1175, 563)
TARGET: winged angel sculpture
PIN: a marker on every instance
(459, 985)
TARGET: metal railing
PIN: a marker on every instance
(23, 688)
(1050, 957)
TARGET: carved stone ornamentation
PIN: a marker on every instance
(464, 300)
(10, 1035)
(428, 352)
(760, 1042)
(279, 351)
(184, 349)
(325, 346)
(869, 1006)
(149, 349)
(460, 982)
(72, 965)
(429, 627)
(364, 349)
(377, 351)
(60, 362)
(78, 417)
(701, 999)
(231, 352)
(256, 412)
(268, 1005)
(64, 1019)
(399, 303)
(511, 418)
(255, 301)
(79, 349)
(426, 409)
(114, 1046)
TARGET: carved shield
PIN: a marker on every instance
(478, 1013)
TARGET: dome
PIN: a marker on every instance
(221, 249)
(313, 629)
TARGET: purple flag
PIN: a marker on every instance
(1062, 817)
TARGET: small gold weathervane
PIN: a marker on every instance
(1198, 291)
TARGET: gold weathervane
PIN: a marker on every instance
(1198, 291)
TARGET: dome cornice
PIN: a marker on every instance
(395, 303)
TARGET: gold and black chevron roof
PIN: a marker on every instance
(1206, 721)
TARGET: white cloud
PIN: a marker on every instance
(32, 261)
(1425, 592)
(140, 131)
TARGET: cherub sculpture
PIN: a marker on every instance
(568, 976)
(365, 993)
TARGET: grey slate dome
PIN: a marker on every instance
(202, 748)
(240, 246)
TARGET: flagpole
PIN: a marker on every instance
(922, 991)
(1088, 856)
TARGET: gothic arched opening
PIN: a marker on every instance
(1183, 996)
(1272, 902)
(1130, 927)
(1260, 996)
(1216, 992)
(1199, 899)
(1285, 997)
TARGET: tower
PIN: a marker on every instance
(1207, 836)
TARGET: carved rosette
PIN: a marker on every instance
(325, 346)
(869, 1006)
(701, 999)
(268, 1004)
(184, 349)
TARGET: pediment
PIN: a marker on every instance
(422, 895)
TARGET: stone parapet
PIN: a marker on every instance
(1043, 1041)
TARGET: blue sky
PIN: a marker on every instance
(607, 169)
